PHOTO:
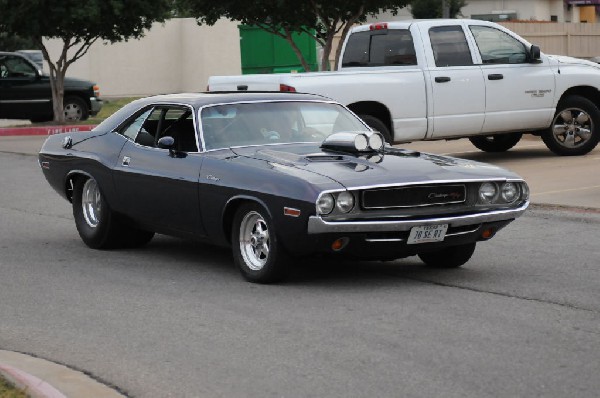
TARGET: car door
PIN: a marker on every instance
(159, 187)
(519, 93)
(23, 92)
(457, 100)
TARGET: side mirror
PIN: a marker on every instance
(167, 142)
(535, 55)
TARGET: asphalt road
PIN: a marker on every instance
(175, 319)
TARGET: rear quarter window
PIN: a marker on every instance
(380, 48)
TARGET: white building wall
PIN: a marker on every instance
(177, 56)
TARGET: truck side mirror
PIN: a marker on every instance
(535, 55)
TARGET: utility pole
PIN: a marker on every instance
(445, 8)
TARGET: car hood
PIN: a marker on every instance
(394, 167)
(565, 60)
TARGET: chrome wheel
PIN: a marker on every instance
(254, 241)
(572, 128)
(91, 203)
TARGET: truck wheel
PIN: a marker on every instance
(575, 129)
(496, 142)
(450, 257)
(75, 109)
(377, 125)
(256, 248)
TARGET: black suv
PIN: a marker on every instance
(25, 92)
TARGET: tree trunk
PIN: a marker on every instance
(299, 55)
(325, 65)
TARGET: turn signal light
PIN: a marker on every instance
(488, 233)
(339, 244)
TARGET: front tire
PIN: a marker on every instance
(575, 129)
(75, 109)
(496, 142)
(449, 257)
(256, 248)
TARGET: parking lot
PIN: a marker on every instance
(175, 318)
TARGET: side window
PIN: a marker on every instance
(380, 48)
(132, 129)
(450, 47)
(497, 47)
(178, 123)
(11, 67)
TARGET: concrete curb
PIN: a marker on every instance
(43, 130)
(44, 379)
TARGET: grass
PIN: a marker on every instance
(109, 107)
(7, 390)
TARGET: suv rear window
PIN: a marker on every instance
(380, 48)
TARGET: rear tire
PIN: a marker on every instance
(256, 248)
(449, 257)
(378, 125)
(496, 142)
(98, 226)
(95, 221)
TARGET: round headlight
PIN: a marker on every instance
(345, 202)
(361, 142)
(325, 203)
(376, 141)
(510, 192)
(487, 192)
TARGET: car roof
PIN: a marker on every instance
(198, 100)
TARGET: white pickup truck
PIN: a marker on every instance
(447, 79)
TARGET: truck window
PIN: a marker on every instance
(449, 46)
(380, 48)
(497, 47)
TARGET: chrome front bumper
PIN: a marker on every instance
(96, 105)
(317, 225)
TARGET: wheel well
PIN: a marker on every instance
(78, 95)
(70, 184)
(375, 109)
(229, 213)
(588, 92)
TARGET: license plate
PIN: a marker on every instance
(427, 234)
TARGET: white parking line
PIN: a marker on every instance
(566, 190)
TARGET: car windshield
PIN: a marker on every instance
(263, 123)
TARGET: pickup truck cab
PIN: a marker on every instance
(453, 78)
(25, 92)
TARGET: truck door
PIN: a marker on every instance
(457, 103)
(519, 93)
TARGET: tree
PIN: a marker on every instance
(14, 43)
(427, 9)
(321, 19)
(79, 24)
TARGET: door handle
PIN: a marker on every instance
(495, 76)
(442, 79)
(126, 161)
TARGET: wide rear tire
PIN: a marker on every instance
(449, 257)
(496, 142)
(95, 221)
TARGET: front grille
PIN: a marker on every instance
(415, 196)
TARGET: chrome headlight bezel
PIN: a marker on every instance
(502, 192)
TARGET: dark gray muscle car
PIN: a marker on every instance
(274, 176)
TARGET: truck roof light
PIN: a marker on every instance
(378, 26)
